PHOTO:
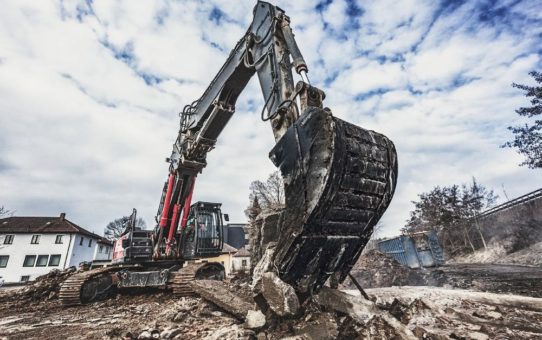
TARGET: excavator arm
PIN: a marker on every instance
(265, 49)
(339, 178)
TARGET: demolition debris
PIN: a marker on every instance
(232, 310)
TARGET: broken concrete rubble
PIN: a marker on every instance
(265, 264)
(280, 296)
(45, 287)
(255, 319)
(219, 293)
(263, 230)
(363, 314)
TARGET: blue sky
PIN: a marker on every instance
(90, 90)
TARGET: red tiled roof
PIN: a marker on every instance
(42, 225)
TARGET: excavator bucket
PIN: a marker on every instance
(339, 179)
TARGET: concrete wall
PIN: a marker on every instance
(22, 246)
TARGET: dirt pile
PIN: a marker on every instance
(375, 269)
(45, 287)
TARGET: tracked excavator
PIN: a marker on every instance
(338, 177)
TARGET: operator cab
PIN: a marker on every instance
(202, 236)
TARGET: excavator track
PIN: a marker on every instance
(75, 290)
(339, 179)
(179, 281)
(96, 284)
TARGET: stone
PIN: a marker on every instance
(255, 319)
(478, 336)
(279, 295)
(145, 335)
(233, 332)
(221, 295)
(180, 316)
(265, 264)
(170, 333)
(494, 315)
(355, 306)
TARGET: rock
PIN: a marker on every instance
(280, 296)
(145, 335)
(478, 336)
(233, 332)
(265, 264)
(494, 315)
(338, 301)
(255, 319)
(180, 316)
(170, 333)
(219, 294)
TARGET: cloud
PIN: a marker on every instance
(89, 95)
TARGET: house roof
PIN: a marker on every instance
(43, 225)
(103, 240)
(242, 252)
(226, 248)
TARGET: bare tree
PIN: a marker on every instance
(268, 195)
(5, 212)
(115, 228)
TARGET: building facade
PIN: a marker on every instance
(33, 246)
(241, 261)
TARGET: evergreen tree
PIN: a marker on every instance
(528, 138)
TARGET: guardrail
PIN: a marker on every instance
(512, 203)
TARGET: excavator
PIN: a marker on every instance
(338, 178)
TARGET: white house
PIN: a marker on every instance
(32, 246)
(241, 261)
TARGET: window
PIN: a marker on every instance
(101, 249)
(25, 278)
(58, 239)
(42, 260)
(81, 241)
(54, 260)
(244, 263)
(9, 239)
(35, 239)
(90, 242)
(4, 261)
(29, 261)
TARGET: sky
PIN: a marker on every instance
(90, 93)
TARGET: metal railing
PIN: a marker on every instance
(512, 203)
